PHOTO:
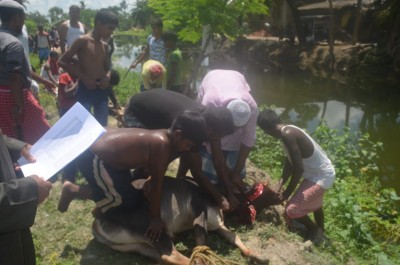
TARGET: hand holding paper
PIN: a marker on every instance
(76, 131)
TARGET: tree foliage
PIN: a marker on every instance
(56, 14)
(225, 17)
(141, 13)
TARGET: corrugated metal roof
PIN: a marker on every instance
(337, 4)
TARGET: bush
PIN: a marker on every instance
(362, 218)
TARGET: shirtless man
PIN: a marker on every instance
(93, 74)
(71, 29)
(106, 167)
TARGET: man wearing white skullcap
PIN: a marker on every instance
(229, 89)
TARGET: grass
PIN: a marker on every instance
(66, 238)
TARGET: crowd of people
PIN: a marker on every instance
(212, 135)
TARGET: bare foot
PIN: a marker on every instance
(68, 192)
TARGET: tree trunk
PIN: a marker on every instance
(297, 22)
(331, 35)
(357, 23)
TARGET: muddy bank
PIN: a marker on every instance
(350, 61)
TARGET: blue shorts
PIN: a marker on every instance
(96, 99)
(44, 53)
(208, 165)
(111, 187)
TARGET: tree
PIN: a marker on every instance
(141, 13)
(56, 14)
(222, 17)
(297, 21)
(38, 18)
(82, 4)
(357, 23)
(123, 6)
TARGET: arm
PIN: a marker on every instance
(286, 173)
(66, 63)
(222, 171)
(18, 201)
(172, 72)
(244, 152)
(296, 164)
(16, 88)
(36, 43)
(113, 98)
(193, 159)
(48, 41)
(42, 80)
(63, 36)
(158, 156)
(48, 71)
(142, 56)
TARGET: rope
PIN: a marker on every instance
(204, 254)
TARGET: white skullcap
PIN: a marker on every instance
(240, 112)
(11, 4)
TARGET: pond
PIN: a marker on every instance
(360, 103)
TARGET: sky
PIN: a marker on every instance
(44, 5)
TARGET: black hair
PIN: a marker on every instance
(106, 16)
(192, 125)
(74, 7)
(114, 78)
(170, 36)
(219, 119)
(53, 53)
(268, 119)
(157, 23)
(7, 13)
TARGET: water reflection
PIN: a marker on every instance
(361, 103)
(307, 100)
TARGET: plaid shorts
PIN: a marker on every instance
(208, 165)
(307, 198)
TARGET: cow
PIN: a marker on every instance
(183, 207)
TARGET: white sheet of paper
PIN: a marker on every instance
(72, 134)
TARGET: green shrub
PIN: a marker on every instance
(362, 218)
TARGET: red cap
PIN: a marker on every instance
(156, 70)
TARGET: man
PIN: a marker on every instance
(21, 116)
(71, 29)
(226, 88)
(305, 158)
(157, 108)
(154, 75)
(94, 65)
(155, 49)
(43, 44)
(106, 166)
(18, 198)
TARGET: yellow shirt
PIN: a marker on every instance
(159, 82)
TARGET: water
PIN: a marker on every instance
(361, 103)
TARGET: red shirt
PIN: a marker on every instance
(66, 101)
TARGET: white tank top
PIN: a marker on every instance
(73, 33)
(317, 168)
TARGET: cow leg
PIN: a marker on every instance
(234, 239)
(199, 222)
(200, 229)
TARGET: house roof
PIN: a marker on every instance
(337, 4)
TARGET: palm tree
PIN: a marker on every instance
(123, 5)
(82, 4)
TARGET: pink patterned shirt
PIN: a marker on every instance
(218, 88)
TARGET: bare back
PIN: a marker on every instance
(128, 148)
